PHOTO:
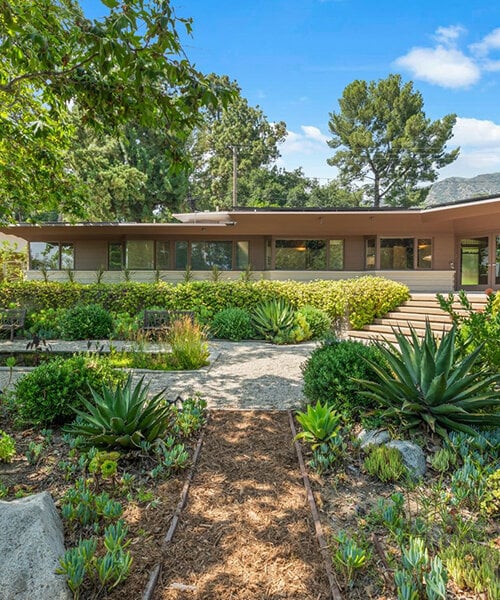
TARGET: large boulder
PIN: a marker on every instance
(31, 542)
(413, 457)
(373, 437)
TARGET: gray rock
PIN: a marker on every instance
(413, 457)
(373, 437)
(31, 542)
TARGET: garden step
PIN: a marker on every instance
(418, 324)
(417, 316)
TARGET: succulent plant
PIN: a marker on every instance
(429, 381)
(122, 417)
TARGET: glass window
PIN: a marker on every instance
(115, 256)
(336, 255)
(181, 255)
(300, 255)
(241, 255)
(67, 256)
(269, 254)
(370, 247)
(424, 254)
(47, 255)
(396, 253)
(140, 255)
(206, 255)
(163, 255)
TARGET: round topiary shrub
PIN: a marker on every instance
(47, 394)
(329, 375)
(233, 324)
(318, 320)
(86, 321)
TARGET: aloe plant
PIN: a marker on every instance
(429, 381)
(320, 424)
(123, 416)
(274, 320)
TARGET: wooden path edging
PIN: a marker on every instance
(155, 573)
(323, 546)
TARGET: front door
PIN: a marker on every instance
(474, 263)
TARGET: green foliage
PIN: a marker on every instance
(476, 328)
(7, 447)
(34, 452)
(171, 457)
(188, 345)
(361, 299)
(329, 375)
(420, 577)
(274, 321)
(233, 324)
(122, 68)
(427, 382)
(105, 572)
(104, 464)
(80, 504)
(321, 429)
(318, 321)
(122, 417)
(86, 321)
(443, 459)
(381, 133)
(190, 417)
(49, 393)
(239, 126)
(385, 463)
(490, 504)
(473, 567)
(320, 424)
(46, 323)
(349, 556)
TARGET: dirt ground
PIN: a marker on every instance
(246, 532)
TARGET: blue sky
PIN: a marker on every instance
(293, 58)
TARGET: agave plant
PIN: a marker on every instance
(428, 381)
(274, 320)
(123, 416)
(320, 424)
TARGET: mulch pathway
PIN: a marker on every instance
(247, 531)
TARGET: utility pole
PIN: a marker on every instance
(235, 176)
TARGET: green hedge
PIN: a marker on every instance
(363, 298)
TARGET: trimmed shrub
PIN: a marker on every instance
(319, 322)
(86, 321)
(329, 373)
(362, 298)
(233, 324)
(46, 323)
(48, 394)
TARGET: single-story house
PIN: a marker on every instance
(439, 248)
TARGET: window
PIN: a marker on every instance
(181, 255)
(370, 253)
(300, 255)
(115, 256)
(396, 253)
(206, 255)
(336, 258)
(140, 255)
(241, 255)
(424, 254)
(405, 253)
(163, 256)
(52, 256)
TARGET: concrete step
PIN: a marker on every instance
(418, 316)
(416, 324)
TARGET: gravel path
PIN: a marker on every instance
(242, 375)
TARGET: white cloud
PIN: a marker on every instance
(476, 132)
(479, 142)
(447, 67)
(449, 35)
(310, 141)
(488, 43)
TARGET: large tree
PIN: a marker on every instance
(385, 143)
(237, 131)
(128, 66)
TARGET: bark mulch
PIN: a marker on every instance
(247, 531)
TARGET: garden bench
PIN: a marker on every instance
(12, 319)
(157, 320)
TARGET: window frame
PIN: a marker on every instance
(271, 260)
(59, 246)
